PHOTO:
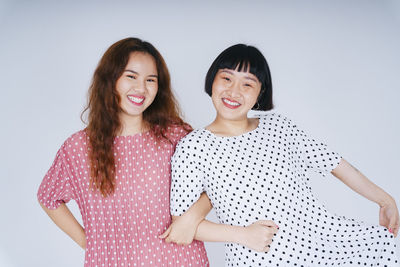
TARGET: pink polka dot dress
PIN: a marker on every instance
(123, 229)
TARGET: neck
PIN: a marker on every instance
(131, 125)
(232, 127)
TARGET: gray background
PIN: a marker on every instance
(335, 68)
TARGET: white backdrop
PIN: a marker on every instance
(335, 68)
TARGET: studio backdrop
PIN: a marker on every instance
(335, 68)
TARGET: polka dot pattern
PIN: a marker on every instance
(264, 175)
(123, 229)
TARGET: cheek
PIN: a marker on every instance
(215, 94)
(216, 89)
(154, 90)
(120, 87)
(252, 97)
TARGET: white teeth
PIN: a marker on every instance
(136, 99)
(230, 102)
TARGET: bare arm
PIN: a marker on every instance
(183, 228)
(66, 221)
(200, 209)
(353, 178)
(191, 224)
(257, 236)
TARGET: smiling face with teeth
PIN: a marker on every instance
(137, 86)
(234, 93)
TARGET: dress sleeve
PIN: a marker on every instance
(177, 132)
(55, 188)
(186, 179)
(314, 154)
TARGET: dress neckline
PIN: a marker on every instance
(133, 135)
(234, 136)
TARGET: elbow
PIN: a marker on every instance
(43, 206)
(174, 218)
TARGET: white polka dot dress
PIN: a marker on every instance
(264, 175)
(122, 230)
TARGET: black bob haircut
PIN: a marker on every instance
(244, 58)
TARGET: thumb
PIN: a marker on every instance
(166, 233)
(267, 223)
(392, 225)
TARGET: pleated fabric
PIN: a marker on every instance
(123, 229)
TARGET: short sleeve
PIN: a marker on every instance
(315, 154)
(55, 188)
(186, 179)
(177, 132)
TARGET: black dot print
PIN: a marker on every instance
(264, 175)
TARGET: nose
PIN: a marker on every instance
(234, 89)
(140, 86)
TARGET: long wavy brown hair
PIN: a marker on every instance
(104, 107)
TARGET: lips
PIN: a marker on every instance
(136, 99)
(232, 104)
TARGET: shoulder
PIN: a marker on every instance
(76, 142)
(191, 147)
(274, 120)
(175, 132)
(193, 139)
(195, 135)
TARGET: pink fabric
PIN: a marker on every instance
(122, 230)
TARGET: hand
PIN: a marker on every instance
(181, 231)
(258, 236)
(389, 216)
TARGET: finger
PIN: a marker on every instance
(271, 233)
(273, 230)
(396, 230)
(166, 233)
(267, 242)
(267, 223)
(393, 224)
(266, 249)
(168, 239)
(270, 236)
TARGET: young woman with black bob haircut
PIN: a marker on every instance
(256, 173)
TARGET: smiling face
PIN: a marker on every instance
(234, 93)
(138, 85)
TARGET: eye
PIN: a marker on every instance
(151, 80)
(131, 76)
(248, 85)
(226, 78)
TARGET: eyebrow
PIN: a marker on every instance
(246, 77)
(134, 72)
(252, 79)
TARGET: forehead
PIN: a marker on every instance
(240, 73)
(141, 60)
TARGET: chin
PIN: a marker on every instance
(133, 112)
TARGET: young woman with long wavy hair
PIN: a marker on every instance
(117, 169)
